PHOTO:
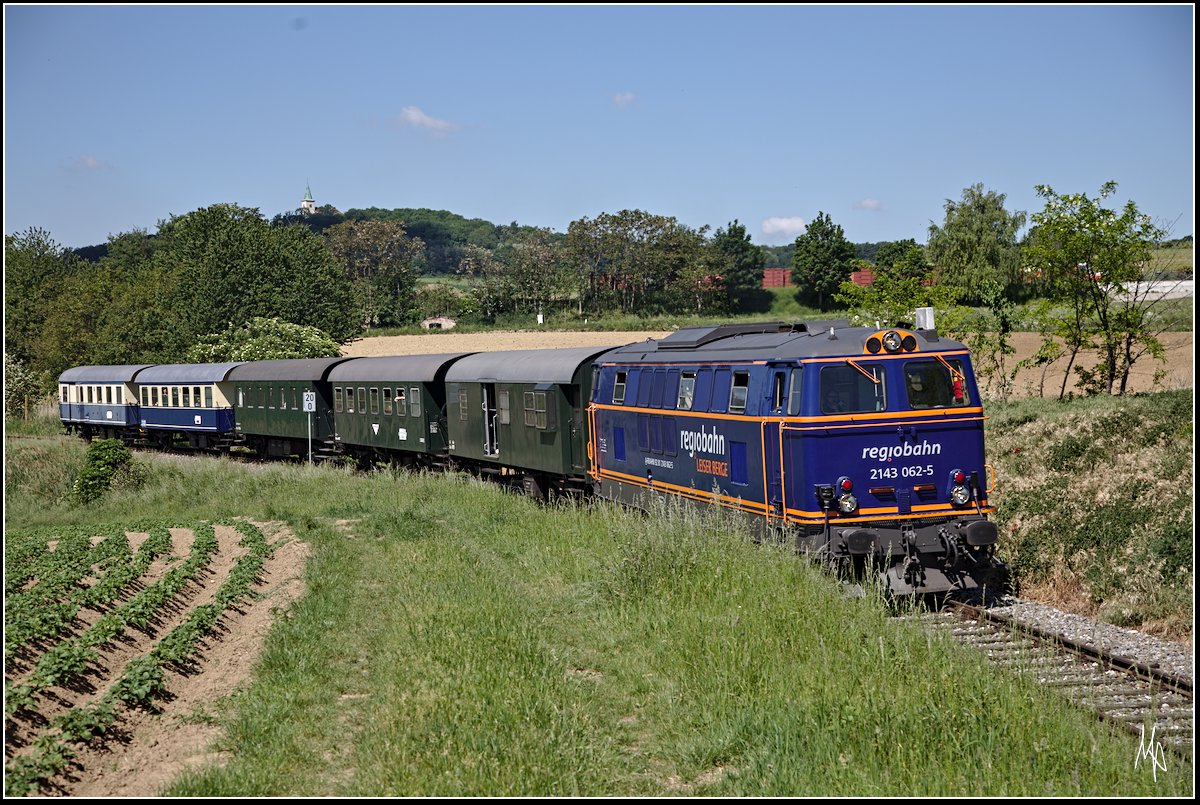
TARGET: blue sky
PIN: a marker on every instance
(118, 117)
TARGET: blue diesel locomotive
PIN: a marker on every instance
(861, 446)
(864, 447)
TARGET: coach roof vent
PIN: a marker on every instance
(692, 337)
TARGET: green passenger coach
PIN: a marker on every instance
(392, 407)
(269, 401)
(523, 412)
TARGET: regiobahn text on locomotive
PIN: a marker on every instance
(863, 446)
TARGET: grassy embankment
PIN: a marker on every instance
(457, 640)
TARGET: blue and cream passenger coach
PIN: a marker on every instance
(863, 445)
(99, 401)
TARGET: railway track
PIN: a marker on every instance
(1140, 697)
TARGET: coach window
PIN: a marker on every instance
(414, 401)
(108, 395)
(91, 394)
(362, 399)
(187, 397)
(154, 396)
(739, 392)
(387, 402)
(530, 411)
(401, 403)
(504, 409)
(619, 388)
(174, 396)
(196, 396)
(282, 399)
(374, 401)
(208, 397)
(687, 390)
(120, 395)
(337, 399)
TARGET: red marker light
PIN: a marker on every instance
(959, 476)
(847, 485)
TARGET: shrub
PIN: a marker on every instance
(104, 458)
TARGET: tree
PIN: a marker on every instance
(262, 339)
(976, 249)
(534, 270)
(233, 266)
(822, 261)
(22, 391)
(896, 293)
(34, 269)
(740, 264)
(1095, 261)
(378, 257)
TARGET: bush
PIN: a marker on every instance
(104, 459)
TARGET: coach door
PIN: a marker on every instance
(490, 446)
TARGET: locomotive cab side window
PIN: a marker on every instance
(687, 391)
(619, 388)
(794, 393)
(739, 392)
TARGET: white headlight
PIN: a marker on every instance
(959, 495)
(847, 503)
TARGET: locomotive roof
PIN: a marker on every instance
(102, 374)
(187, 373)
(418, 368)
(291, 369)
(524, 366)
(764, 342)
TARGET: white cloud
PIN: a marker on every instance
(868, 204)
(413, 116)
(623, 99)
(784, 226)
(86, 162)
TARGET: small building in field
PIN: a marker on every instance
(863, 277)
(439, 323)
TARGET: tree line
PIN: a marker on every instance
(214, 283)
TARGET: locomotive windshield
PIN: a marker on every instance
(853, 388)
(934, 384)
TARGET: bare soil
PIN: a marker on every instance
(149, 749)
(1178, 367)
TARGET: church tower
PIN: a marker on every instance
(308, 206)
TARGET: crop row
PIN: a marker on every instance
(144, 677)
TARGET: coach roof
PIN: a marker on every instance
(417, 368)
(102, 374)
(187, 373)
(285, 370)
(524, 366)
